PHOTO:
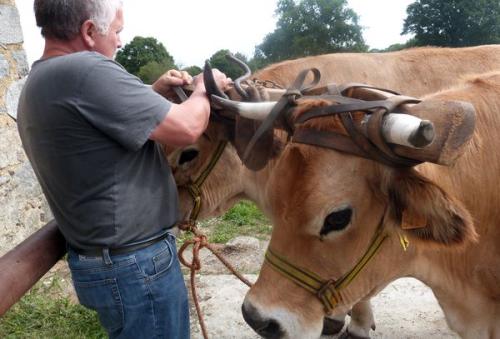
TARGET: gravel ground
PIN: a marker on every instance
(405, 309)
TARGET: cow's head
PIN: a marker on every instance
(212, 166)
(222, 186)
(341, 228)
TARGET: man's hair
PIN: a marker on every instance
(62, 19)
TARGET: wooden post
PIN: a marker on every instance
(24, 265)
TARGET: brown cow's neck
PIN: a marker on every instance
(469, 312)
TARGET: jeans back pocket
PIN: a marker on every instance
(104, 297)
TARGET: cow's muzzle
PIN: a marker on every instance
(265, 327)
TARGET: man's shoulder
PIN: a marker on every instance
(90, 59)
(79, 62)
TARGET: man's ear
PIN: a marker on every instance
(88, 33)
(427, 213)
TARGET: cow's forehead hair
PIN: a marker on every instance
(326, 181)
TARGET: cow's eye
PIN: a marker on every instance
(336, 221)
(188, 156)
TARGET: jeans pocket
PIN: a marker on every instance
(163, 260)
(157, 263)
(102, 296)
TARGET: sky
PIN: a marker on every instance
(193, 30)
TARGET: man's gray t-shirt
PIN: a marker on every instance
(84, 123)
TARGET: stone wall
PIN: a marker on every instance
(22, 206)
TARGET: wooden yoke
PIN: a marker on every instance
(24, 265)
(454, 123)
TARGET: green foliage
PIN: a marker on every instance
(312, 27)
(397, 46)
(141, 51)
(259, 61)
(150, 72)
(193, 70)
(38, 315)
(454, 23)
(394, 47)
(243, 219)
(221, 62)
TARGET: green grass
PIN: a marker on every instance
(243, 219)
(39, 315)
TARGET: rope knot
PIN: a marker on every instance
(202, 240)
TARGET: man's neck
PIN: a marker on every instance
(54, 47)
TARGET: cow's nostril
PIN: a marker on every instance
(271, 330)
(266, 327)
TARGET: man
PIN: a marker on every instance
(90, 130)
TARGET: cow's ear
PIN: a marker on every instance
(426, 212)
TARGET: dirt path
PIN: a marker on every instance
(406, 309)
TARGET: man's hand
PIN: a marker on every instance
(185, 122)
(169, 79)
(222, 81)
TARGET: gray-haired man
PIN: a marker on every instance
(90, 130)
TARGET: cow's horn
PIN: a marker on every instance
(250, 110)
(237, 82)
(210, 84)
(407, 130)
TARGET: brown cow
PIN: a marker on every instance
(414, 72)
(330, 209)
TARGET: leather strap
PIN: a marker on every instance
(327, 139)
(372, 146)
(280, 109)
(180, 93)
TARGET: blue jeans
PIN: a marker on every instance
(140, 294)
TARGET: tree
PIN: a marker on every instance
(150, 72)
(454, 23)
(220, 61)
(193, 70)
(259, 61)
(311, 27)
(141, 51)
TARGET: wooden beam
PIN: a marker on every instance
(24, 265)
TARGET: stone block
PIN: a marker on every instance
(10, 32)
(21, 62)
(12, 97)
(4, 66)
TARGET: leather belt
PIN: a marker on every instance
(97, 252)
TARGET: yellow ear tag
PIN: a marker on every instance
(403, 240)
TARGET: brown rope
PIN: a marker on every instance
(198, 242)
